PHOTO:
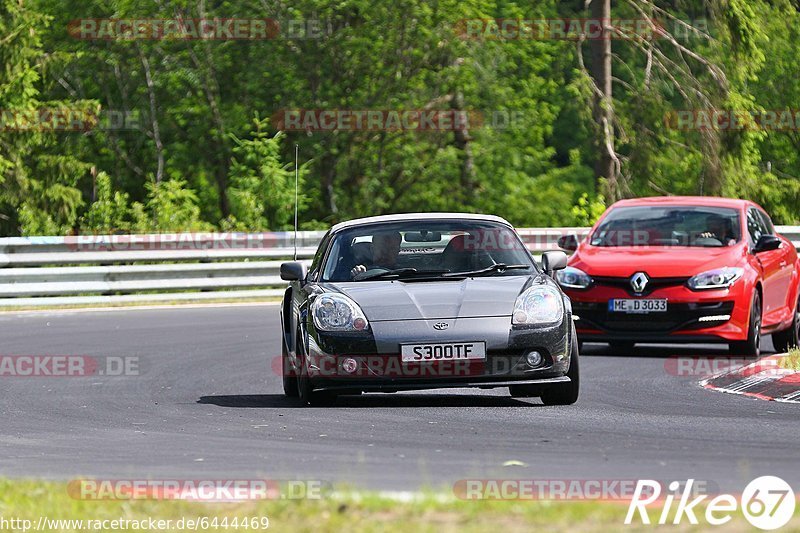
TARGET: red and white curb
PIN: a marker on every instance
(763, 379)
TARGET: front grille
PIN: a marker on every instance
(652, 285)
(678, 316)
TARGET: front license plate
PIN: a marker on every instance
(651, 305)
(443, 352)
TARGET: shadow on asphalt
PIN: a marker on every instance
(372, 400)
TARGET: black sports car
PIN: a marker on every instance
(422, 301)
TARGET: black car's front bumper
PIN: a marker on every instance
(379, 367)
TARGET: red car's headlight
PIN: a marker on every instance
(573, 278)
(720, 278)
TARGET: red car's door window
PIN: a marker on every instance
(784, 305)
(772, 280)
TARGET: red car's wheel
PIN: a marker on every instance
(789, 338)
(751, 346)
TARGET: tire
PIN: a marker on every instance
(566, 393)
(751, 346)
(287, 372)
(789, 338)
(306, 392)
(525, 391)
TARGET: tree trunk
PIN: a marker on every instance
(462, 142)
(605, 165)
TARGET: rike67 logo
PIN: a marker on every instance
(767, 502)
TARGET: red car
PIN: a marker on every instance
(684, 269)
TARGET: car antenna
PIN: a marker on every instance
(296, 182)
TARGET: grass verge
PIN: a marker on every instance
(351, 511)
(792, 360)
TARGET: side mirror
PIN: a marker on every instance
(568, 242)
(294, 271)
(766, 243)
(552, 261)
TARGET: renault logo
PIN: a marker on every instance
(639, 281)
(441, 326)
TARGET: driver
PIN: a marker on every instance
(718, 228)
(385, 250)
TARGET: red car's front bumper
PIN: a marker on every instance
(691, 316)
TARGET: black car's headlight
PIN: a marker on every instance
(337, 312)
(573, 278)
(540, 305)
(719, 278)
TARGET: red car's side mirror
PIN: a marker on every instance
(568, 242)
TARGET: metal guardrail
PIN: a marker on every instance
(97, 269)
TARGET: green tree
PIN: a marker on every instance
(262, 187)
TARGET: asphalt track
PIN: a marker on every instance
(206, 405)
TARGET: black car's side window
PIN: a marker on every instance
(317, 261)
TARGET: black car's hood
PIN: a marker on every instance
(471, 297)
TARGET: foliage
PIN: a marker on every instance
(262, 188)
(190, 154)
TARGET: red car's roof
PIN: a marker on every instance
(709, 201)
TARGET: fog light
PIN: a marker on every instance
(349, 365)
(533, 358)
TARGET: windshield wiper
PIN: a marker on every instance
(400, 273)
(497, 267)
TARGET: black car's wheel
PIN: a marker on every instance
(566, 393)
(751, 346)
(789, 338)
(307, 394)
(621, 345)
(288, 373)
(561, 394)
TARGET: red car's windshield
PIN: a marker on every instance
(668, 226)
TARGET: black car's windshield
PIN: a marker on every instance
(668, 226)
(425, 249)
